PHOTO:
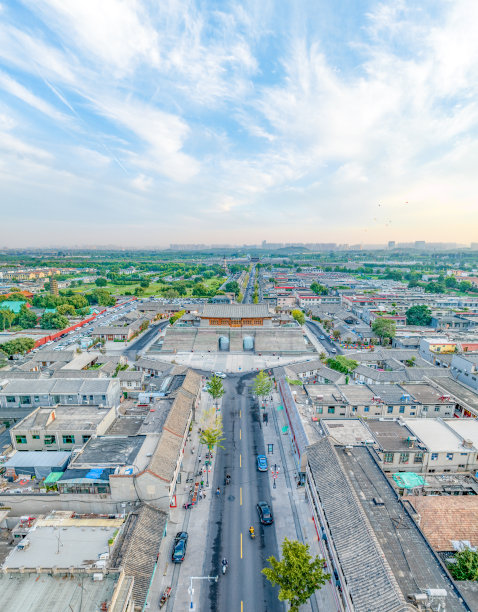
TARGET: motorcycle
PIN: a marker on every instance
(252, 534)
(224, 568)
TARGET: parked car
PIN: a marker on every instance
(179, 547)
(322, 337)
(262, 463)
(220, 374)
(265, 514)
(333, 350)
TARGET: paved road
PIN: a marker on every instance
(143, 340)
(250, 287)
(317, 330)
(243, 587)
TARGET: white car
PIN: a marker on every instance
(220, 374)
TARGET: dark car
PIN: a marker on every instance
(179, 547)
(262, 463)
(265, 513)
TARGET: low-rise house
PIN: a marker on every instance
(464, 367)
(61, 427)
(131, 381)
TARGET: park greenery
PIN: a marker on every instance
(17, 346)
(297, 573)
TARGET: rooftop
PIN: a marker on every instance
(447, 518)
(236, 311)
(414, 565)
(77, 547)
(74, 418)
(109, 451)
(390, 435)
(346, 431)
(40, 592)
(437, 436)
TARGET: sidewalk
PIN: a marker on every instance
(194, 521)
(292, 515)
(317, 345)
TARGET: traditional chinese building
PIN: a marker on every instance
(236, 315)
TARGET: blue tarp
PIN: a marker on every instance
(94, 474)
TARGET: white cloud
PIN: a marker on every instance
(142, 182)
(16, 89)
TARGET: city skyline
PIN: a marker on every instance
(185, 122)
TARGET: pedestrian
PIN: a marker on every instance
(204, 494)
(202, 483)
(200, 495)
(218, 491)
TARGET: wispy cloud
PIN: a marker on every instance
(244, 115)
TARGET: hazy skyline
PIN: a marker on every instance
(214, 122)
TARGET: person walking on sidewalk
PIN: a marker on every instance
(218, 491)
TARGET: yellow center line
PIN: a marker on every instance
(240, 496)
(241, 545)
(242, 606)
(240, 434)
(240, 414)
(240, 460)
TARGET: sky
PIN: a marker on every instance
(143, 123)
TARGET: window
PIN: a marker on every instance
(434, 456)
(36, 398)
(354, 408)
(437, 408)
(35, 437)
(85, 439)
(418, 458)
(51, 439)
(461, 465)
(21, 439)
(449, 456)
(68, 439)
(431, 471)
(70, 398)
(331, 410)
(103, 398)
(425, 408)
(10, 399)
(320, 410)
(388, 458)
(25, 399)
(389, 409)
(366, 408)
(404, 457)
(402, 409)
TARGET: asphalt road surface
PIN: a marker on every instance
(326, 343)
(143, 340)
(243, 588)
(250, 287)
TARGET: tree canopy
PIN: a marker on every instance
(17, 345)
(299, 316)
(262, 385)
(465, 566)
(319, 289)
(53, 320)
(384, 328)
(215, 388)
(298, 573)
(342, 364)
(419, 315)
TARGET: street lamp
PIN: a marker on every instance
(275, 472)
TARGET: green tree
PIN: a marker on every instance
(52, 320)
(319, 289)
(342, 364)
(215, 388)
(6, 318)
(323, 357)
(176, 316)
(138, 291)
(18, 345)
(419, 315)
(465, 566)
(213, 435)
(170, 293)
(101, 282)
(451, 282)
(299, 316)
(336, 334)
(144, 283)
(298, 573)
(262, 385)
(26, 318)
(384, 328)
(232, 287)
(66, 309)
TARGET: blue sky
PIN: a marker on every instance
(143, 123)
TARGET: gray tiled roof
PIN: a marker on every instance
(236, 310)
(368, 577)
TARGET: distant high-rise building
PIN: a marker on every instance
(391, 244)
(54, 287)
